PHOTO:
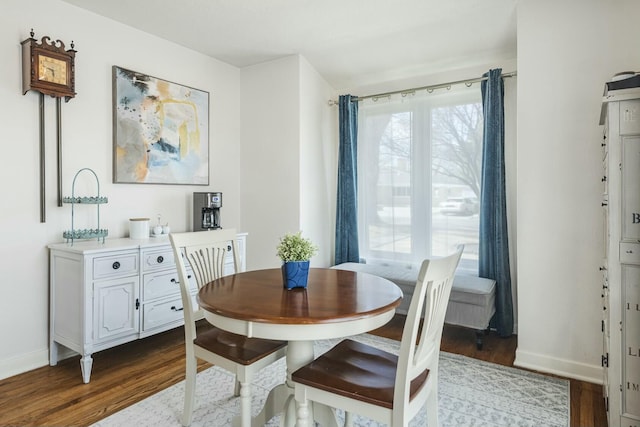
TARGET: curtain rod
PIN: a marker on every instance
(429, 89)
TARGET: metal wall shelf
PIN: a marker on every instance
(97, 233)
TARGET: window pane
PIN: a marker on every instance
(419, 178)
(389, 231)
(456, 138)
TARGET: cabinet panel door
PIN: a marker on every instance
(631, 339)
(630, 193)
(115, 311)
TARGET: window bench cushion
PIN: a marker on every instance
(472, 300)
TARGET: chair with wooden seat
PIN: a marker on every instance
(365, 380)
(206, 252)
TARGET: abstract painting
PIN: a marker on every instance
(160, 131)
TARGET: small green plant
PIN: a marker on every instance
(294, 247)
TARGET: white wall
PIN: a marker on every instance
(318, 163)
(270, 152)
(287, 156)
(566, 52)
(87, 142)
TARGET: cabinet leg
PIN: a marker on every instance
(86, 362)
(53, 353)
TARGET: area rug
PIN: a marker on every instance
(472, 393)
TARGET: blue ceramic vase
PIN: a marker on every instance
(295, 274)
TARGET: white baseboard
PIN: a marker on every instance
(562, 367)
(23, 363)
(26, 362)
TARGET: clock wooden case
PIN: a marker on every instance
(48, 68)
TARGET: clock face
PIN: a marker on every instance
(52, 70)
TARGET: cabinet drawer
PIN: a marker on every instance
(153, 260)
(628, 422)
(158, 314)
(163, 284)
(119, 265)
(629, 253)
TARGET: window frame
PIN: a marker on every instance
(421, 179)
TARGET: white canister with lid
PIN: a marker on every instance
(138, 228)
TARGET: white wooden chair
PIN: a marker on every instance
(391, 389)
(206, 252)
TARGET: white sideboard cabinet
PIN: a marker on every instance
(621, 266)
(106, 294)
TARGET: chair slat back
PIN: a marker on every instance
(429, 301)
(207, 261)
(205, 252)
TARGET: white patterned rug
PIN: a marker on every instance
(472, 393)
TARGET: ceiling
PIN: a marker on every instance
(347, 41)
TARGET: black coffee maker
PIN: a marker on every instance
(206, 211)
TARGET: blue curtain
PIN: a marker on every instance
(494, 243)
(346, 249)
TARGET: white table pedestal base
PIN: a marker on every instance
(281, 398)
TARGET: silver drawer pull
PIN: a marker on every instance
(173, 308)
(174, 280)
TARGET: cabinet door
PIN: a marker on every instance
(115, 308)
(630, 193)
(631, 339)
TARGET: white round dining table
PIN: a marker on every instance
(335, 304)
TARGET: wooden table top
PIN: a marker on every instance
(331, 296)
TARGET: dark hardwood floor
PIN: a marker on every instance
(56, 396)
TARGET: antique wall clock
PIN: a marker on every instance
(49, 68)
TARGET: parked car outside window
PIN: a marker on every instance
(460, 206)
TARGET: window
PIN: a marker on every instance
(419, 164)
